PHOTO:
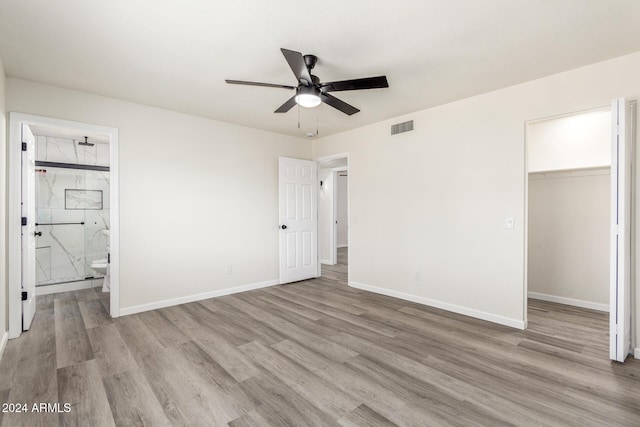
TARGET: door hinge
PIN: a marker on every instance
(24, 146)
(24, 220)
(24, 295)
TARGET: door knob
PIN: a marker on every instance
(38, 233)
(284, 227)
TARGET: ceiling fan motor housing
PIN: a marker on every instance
(310, 61)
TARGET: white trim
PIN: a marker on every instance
(71, 286)
(14, 255)
(636, 353)
(5, 338)
(327, 262)
(570, 114)
(114, 224)
(333, 157)
(13, 214)
(478, 314)
(570, 173)
(569, 301)
(197, 297)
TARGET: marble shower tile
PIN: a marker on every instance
(89, 154)
(43, 264)
(43, 215)
(51, 186)
(62, 150)
(41, 147)
(83, 199)
(66, 215)
(67, 252)
(102, 154)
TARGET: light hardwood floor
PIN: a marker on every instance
(314, 353)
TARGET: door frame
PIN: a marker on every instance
(526, 194)
(14, 265)
(318, 160)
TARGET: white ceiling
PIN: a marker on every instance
(176, 55)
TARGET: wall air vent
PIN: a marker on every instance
(402, 127)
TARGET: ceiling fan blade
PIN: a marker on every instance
(287, 105)
(356, 84)
(242, 82)
(299, 68)
(338, 104)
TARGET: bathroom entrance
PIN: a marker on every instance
(72, 211)
(62, 196)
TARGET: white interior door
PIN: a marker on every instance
(28, 229)
(298, 220)
(620, 299)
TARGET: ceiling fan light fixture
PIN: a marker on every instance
(308, 97)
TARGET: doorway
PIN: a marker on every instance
(65, 188)
(577, 217)
(333, 217)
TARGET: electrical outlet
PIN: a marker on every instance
(229, 269)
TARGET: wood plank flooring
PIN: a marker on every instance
(314, 353)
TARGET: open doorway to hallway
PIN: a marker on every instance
(333, 218)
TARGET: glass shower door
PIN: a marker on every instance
(60, 248)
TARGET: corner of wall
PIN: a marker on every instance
(3, 210)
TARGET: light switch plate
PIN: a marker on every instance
(509, 223)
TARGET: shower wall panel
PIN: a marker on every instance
(64, 150)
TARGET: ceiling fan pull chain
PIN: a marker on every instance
(298, 117)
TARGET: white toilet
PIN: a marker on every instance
(102, 266)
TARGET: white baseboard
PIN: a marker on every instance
(3, 342)
(569, 301)
(346, 245)
(66, 287)
(326, 262)
(478, 314)
(197, 297)
(636, 353)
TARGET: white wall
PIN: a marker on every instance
(325, 216)
(430, 225)
(342, 210)
(196, 195)
(4, 312)
(571, 142)
(569, 217)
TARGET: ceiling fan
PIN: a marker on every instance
(310, 92)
